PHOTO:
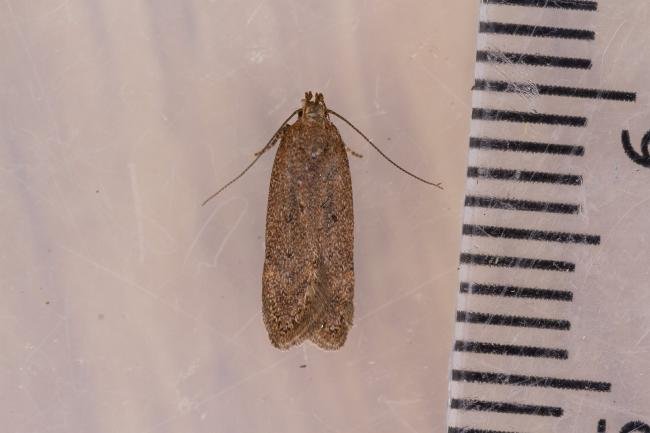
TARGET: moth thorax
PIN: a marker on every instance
(316, 149)
(314, 111)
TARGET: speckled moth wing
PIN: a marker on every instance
(287, 303)
(336, 229)
(308, 278)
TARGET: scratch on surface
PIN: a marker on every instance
(606, 234)
(609, 42)
(66, 330)
(51, 177)
(225, 238)
(305, 358)
(444, 86)
(643, 337)
(525, 89)
(223, 243)
(405, 402)
(138, 210)
(391, 407)
(64, 5)
(328, 426)
(241, 330)
(41, 95)
(117, 276)
(281, 103)
(405, 294)
(223, 391)
(140, 287)
(378, 110)
(28, 52)
(44, 340)
(251, 17)
(164, 231)
(170, 187)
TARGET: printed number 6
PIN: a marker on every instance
(641, 159)
(636, 426)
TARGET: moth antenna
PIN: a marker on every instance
(437, 185)
(269, 145)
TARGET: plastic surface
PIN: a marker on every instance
(126, 307)
(589, 239)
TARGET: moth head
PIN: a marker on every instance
(313, 107)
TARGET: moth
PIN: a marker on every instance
(308, 276)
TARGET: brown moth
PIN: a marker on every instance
(308, 277)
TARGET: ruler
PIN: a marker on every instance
(553, 314)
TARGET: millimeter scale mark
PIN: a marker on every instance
(510, 350)
(527, 59)
(505, 407)
(515, 291)
(514, 175)
(516, 321)
(505, 145)
(534, 89)
(581, 5)
(513, 29)
(530, 235)
(523, 380)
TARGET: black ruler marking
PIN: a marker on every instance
(516, 262)
(548, 90)
(517, 321)
(474, 430)
(515, 292)
(531, 235)
(602, 426)
(525, 234)
(520, 205)
(510, 350)
(534, 31)
(523, 175)
(527, 117)
(522, 380)
(581, 5)
(485, 143)
(504, 407)
(532, 59)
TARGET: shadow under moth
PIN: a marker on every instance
(308, 277)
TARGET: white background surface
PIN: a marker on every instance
(125, 306)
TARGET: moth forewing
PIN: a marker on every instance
(308, 278)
